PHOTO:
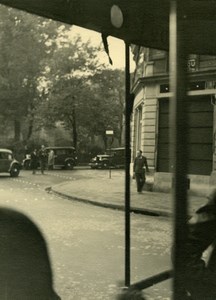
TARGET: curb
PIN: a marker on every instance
(142, 211)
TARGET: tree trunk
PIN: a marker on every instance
(92, 138)
(74, 128)
(120, 129)
(105, 141)
(30, 130)
(17, 130)
(30, 124)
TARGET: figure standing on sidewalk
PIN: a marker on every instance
(51, 157)
(42, 158)
(139, 168)
(34, 161)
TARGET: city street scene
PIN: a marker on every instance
(107, 150)
(85, 241)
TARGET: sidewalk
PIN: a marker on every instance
(109, 192)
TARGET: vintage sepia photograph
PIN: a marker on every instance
(107, 150)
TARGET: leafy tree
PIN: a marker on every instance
(46, 78)
(25, 42)
(83, 95)
(108, 103)
(80, 93)
(70, 68)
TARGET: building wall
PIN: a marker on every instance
(138, 101)
(150, 125)
(155, 73)
(146, 98)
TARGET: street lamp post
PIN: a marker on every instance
(109, 134)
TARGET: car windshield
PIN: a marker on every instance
(63, 151)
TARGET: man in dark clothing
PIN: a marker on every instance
(140, 165)
(34, 161)
(43, 158)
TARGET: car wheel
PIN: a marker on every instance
(14, 172)
(104, 165)
(69, 165)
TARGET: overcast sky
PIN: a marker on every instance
(116, 47)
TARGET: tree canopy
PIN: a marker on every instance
(84, 95)
(48, 78)
(24, 46)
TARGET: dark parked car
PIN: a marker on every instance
(8, 164)
(64, 158)
(114, 159)
(101, 161)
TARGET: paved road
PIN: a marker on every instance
(86, 243)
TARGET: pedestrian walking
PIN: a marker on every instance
(139, 168)
(51, 157)
(42, 158)
(34, 161)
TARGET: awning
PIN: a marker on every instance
(140, 22)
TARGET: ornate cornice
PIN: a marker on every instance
(164, 78)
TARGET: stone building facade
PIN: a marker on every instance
(150, 119)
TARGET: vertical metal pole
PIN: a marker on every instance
(127, 166)
(178, 140)
(110, 162)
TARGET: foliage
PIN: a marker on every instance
(85, 96)
(108, 100)
(24, 44)
(50, 80)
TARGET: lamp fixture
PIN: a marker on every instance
(116, 16)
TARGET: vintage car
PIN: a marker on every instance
(8, 164)
(114, 159)
(64, 158)
(101, 161)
